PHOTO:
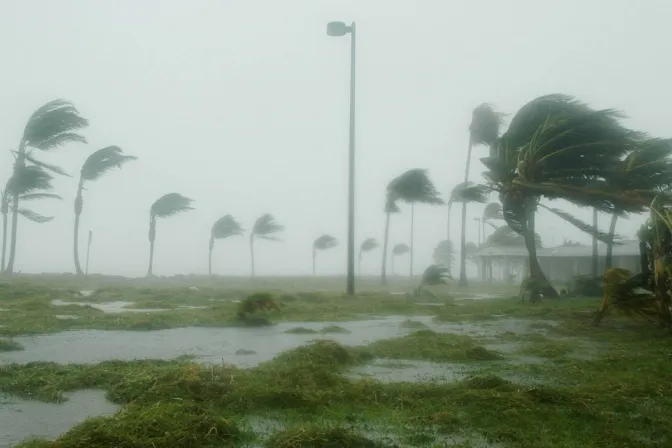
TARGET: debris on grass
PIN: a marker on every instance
(9, 345)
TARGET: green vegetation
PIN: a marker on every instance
(9, 345)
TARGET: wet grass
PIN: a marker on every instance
(9, 345)
(622, 397)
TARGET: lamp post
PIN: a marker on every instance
(338, 29)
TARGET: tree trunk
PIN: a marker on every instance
(79, 204)
(5, 207)
(610, 242)
(19, 164)
(393, 257)
(383, 276)
(152, 237)
(359, 263)
(211, 246)
(450, 264)
(314, 256)
(412, 232)
(252, 252)
(595, 255)
(463, 238)
(88, 252)
(544, 286)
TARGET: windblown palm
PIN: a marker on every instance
(322, 243)
(558, 148)
(398, 250)
(414, 187)
(97, 164)
(166, 206)
(433, 275)
(27, 183)
(367, 245)
(224, 227)
(265, 228)
(443, 254)
(51, 126)
(390, 207)
(483, 130)
(465, 193)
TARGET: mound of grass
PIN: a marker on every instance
(545, 347)
(187, 425)
(431, 346)
(314, 436)
(334, 329)
(414, 324)
(301, 330)
(9, 345)
(489, 382)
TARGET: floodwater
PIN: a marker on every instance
(392, 371)
(118, 306)
(20, 419)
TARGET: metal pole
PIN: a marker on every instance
(351, 178)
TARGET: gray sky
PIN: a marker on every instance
(243, 106)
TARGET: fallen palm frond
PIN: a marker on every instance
(625, 292)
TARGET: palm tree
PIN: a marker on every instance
(367, 246)
(52, 125)
(166, 206)
(264, 228)
(492, 211)
(88, 252)
(224, 227)
(399, 249)
(483, 130)
(414, 187)
(466, 192)
(443, 254)
(97, 164)
(322, 243)
(558, 148)
(390, 207)
(28, 183)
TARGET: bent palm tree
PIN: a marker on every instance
(52, 125)
(224, 227)
(443, 254)
(322, 243)
(483, 130)
(414, 187)
(390, 207)
(97, 164)
(367, 246)
(166, 206)
(399, 249)
(27, 183)
(466, 192)
(264, 228)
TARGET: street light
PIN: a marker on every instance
(338, 29)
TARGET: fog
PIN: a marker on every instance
(243, 106)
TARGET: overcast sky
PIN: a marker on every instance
(243, 106)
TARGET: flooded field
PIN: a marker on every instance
(386, 369)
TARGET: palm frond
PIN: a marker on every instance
(368, 245)
(53, 125)
(493, 211)
(414, 186)
(34, 216)
(265, 226)
(435, 275)
(325, 242)
(36, 196)
(225, 227)
(581, 225)
(400, 249)
(485, 125)
(28, 179)
(391, 204)
(506, 236)
(469, 192)
(102, 161)
(46, 166)
(169, 205)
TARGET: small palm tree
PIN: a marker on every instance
(390, 207)
(414, 187)
(399, 249)
(483, 130)
(465, 192)
(51, 126)
(322, 243)
(433, 275)
(224, 227)
(97, 164)
(166, 206)
(367, 245)
(265, 227)
(27, 183)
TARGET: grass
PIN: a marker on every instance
(9, 345)
(621, 397)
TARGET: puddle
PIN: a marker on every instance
(21, 419)
(393, 371)
(191, 307)
(67, 316)
(207, 345)
(115, 307)
(86, 292)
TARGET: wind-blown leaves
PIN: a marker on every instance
(28, 179)
(169, 205)
(53, 125)
(102, 161)
(47, 166)
(400, 249)
(485, 124)
(37, 196)
(414, 186)
(34, 216)
(579, 224)
(265, 226)
(225, 227)
(368, 245)
(492, 211)
(325, 242)
(505, 236)
(435, 275)
(469, 192)
(444, 253)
